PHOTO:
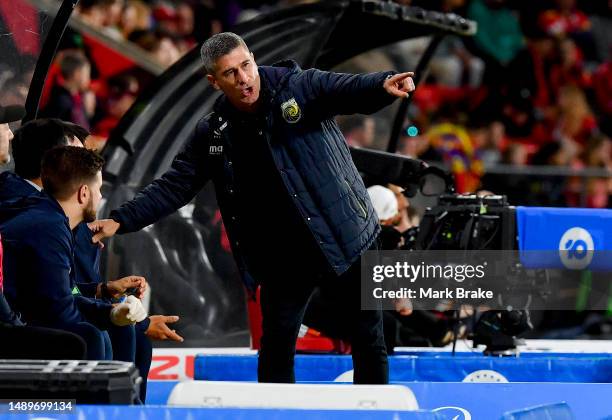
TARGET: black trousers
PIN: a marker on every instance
(284, 298)
(130, 344)
(40, 343)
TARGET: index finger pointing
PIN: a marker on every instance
(401, 76)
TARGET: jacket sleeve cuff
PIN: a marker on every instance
(116, 216)
(88, 289)
(143, 325)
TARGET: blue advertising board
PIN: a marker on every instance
(577, 238)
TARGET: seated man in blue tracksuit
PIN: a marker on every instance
(294, 206)
(31, 141)
(39, 250)
(16, 339)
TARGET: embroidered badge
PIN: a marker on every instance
(291, 111)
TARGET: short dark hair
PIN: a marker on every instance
(70, 63)
(66, 168)
(217, 46)
(36, 137)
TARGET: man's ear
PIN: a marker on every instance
(83, 194)
(213, 81)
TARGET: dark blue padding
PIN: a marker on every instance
(536, 367)
(541, 229)
(109, 412)
(558, 411)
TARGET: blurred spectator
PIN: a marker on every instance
(136, 16)
(576, 121)
(495, 143)
(565, 19)
(159, 44)
(358, 130)
(602, 86)
(406, 216)
(597, 154)
(570, 68)
(15, 81)
(528, 71)
(452, 62)
(122, 92)
(528, 103)
(487, 139)
(70, 99)
(104, 15)
(385, 204)
(453, 142)
(185, 24)
(515, 187)
(499, 35)
(92, 12)
(112, 17)
(419, 147)
(515, 154)
(549, 190)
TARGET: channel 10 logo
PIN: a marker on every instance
(576, 248)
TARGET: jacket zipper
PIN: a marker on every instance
(363, 210)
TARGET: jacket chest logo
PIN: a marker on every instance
(217, 149)
(291, 111)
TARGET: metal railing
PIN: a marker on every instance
(550, 173)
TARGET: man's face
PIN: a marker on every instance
(91, 209)
(237, 76)
(83, 77)
(6, 135)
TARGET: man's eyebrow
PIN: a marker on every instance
(230, 69)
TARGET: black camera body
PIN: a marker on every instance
(468, 222)
(471, 222)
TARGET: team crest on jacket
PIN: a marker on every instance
(291, 111)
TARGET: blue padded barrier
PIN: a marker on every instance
(101, 412)
(559, 411)
(542, 229)
(490, 401)
(534, 367)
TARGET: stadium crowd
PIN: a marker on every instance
(533, 87)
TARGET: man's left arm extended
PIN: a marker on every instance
(343, 93)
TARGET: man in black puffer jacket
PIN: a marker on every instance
(296, 210)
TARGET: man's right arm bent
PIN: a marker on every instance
(177, 187)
